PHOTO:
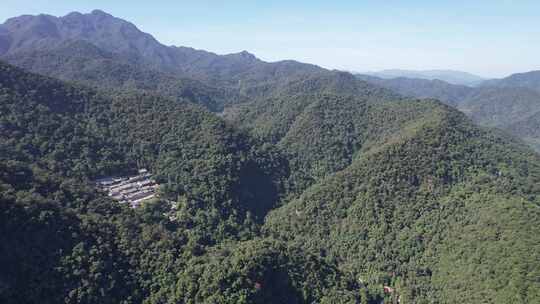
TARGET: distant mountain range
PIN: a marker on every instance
(453, 77)
(530, 80)
(501, 103)
(243, 71)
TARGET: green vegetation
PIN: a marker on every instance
(450, 94)
(394, 215)
(81, 61)
(363, 190)
(312, 187)
(79, 246)
(388, 189)
(530, 80)
(528, 129)
(500, 107)
(509, 104)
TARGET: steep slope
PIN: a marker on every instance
(81, 61)
(528, 129)
(63, 241)
(80, 133)
(105, 253)
(267, 271)
(490, 106)
(373, 189)
(240, 71)
(28, 32)
(530, 80)
(387, 187)
(320, 123)
(431, 210)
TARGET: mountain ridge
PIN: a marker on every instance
(529, 80)
(488, 104)
(237, 76)
(450, 76)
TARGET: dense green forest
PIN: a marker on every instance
(312, 186)
(81, 61)
(362, 192)
(406, 193)
(56, 137)
(509, 103)
(398, 213)
(528, 129)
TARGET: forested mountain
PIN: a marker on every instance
(488, 105)
(405, 193)
(434, 210)
(378, 164)
(82, 134)
(313, 186)
(241, 71)
(83, 62)
(499, 107)
(63, 242)
(529, 80)
(321, 133)
(453, 77)
(100, 50)
(26, 33)
(450, 94)
(529, 129)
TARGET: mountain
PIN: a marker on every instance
(530, 80)
(492, 106)
(82, 133)
(319, 187)
(394, 186)
(404, 193)
(453, 77)
(335, 197)
(80, 246)
(500, 107)
(528, 129)
(421, 88)
(430, 210)
(101, 29)
(240, 71)
(82, 62)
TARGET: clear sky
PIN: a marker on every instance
(492, 38)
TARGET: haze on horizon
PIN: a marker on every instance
(488, 38)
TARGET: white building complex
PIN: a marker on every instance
(130, 189)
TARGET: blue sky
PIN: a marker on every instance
(490, 38)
